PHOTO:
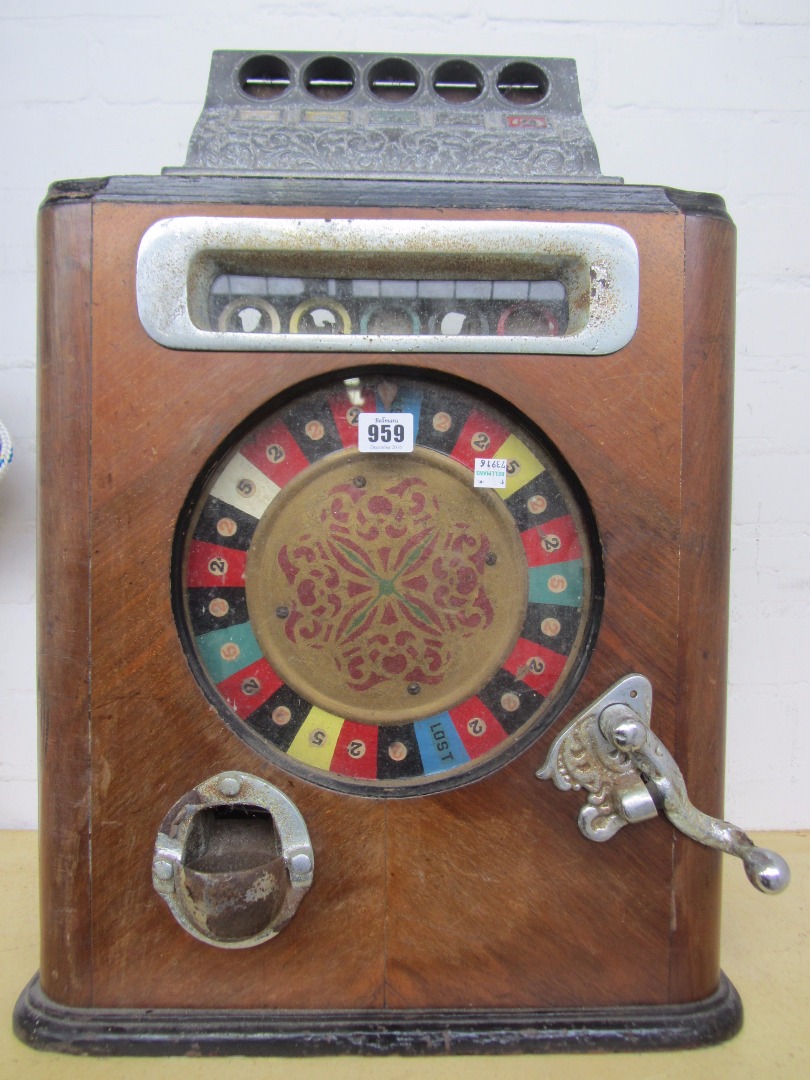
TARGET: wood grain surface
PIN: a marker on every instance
(483, 897)
(710, 248)
(63, 600)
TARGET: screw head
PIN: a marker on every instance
(490, 558)
(301, 863)
(282, 612)
(414, 688)
(229, 786)
(359, 481)
(163, 869)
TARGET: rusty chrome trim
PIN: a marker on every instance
(179, 258)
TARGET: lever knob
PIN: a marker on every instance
(610, 750)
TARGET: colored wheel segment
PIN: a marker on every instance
(371, 621)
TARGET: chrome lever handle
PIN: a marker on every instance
(610, 750)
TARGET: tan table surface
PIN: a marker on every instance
(764, 951)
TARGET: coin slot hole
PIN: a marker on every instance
(329, 78)
(264, 77)
(458, 82)
(227, 839)
(393, 80)
(523, 84)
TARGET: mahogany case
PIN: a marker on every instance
(472, 917)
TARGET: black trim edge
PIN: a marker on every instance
(45, 1025)
(75, 190)
(698, 202)
(270, 191)
(274, 191)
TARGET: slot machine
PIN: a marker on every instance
(384, 492)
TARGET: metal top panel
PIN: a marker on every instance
(372, 116)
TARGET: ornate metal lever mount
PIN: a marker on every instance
(611, 752)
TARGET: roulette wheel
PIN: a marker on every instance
(375, 617)
(388, 450)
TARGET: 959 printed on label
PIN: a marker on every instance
(385, 433)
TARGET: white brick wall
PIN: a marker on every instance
(704, 94)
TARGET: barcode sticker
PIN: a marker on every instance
(490, 472)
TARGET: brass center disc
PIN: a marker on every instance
(385, 588)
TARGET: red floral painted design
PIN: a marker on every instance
(388, 587)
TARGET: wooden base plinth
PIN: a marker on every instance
(45, 1025)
